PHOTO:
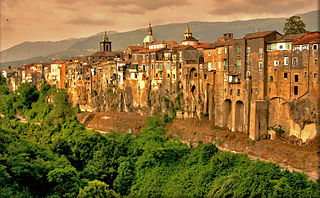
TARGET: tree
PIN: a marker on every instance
(97, 189)
(294, 25)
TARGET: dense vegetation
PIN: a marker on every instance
(60, 158)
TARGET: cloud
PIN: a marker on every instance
(234, 7)
(88, 21)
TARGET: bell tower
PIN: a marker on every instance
(105, 44)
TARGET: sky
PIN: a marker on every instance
(52, 20)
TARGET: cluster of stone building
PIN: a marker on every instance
(256, 84)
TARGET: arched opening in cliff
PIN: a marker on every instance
(193, 89)
(239, 118)
(193, 73)
(227, 113)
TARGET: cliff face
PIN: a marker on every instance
(150, 101)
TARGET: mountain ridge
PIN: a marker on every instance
(203, 30)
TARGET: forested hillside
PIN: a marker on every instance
(53, 155)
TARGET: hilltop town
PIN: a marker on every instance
(261, 84)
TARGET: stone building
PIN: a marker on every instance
(258, 84)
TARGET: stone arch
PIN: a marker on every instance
(227, 107)
(193, 73)
(239, 117)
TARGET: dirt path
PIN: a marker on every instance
(291, 155)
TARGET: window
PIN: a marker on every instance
(260, 53)
(209, 66)
(296, 78)
(315, 47)
(230, 91)
(315, 61)
(248, 51)
(248, 62)
(305, 75)
(238, 64)
(276, 63)
(219, 65)
(143, 56)
(225, 64)
(248, 74)
(271, 78)
(269, 89)
(238, 92)
(225, 50)
(168, 65)
(269, 47)
(295, 61)
(168, 75)
(157, 66)
(209, 53)
(285, 75)
(152, 66)
(315, 75)
(286, 60)
(205, 76)
(239, 51)
(174, 76)
(144, 67)
(260, 66)
(297, 47)
(160, 66)
(219, 50)
(295, 90)
(256, 91)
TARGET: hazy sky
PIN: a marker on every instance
(51, 20)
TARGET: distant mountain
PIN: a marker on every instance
(31, 49)
(204, 31)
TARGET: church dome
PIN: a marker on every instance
(149, 39)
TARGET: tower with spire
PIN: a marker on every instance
(187, 33)
(149, 38)
(188, 38)
(105, 44)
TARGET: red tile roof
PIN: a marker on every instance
(288, 38)
(136, 47)
(174, 42)
(149, 50)
(200, 45)
(308, 38)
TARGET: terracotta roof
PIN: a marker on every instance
(288, 38)
(308, 38)
(28, 65)
(219, 44)
(149, 50)
(259, 34)
(174, 42)
(201, 45)
(136, 47)
(182, 47)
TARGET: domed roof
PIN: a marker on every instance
(149, 39)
